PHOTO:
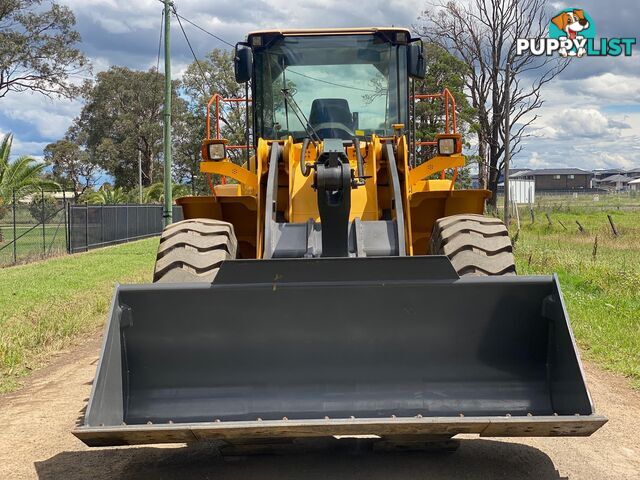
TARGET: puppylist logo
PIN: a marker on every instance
(572, 33)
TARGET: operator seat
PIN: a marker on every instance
(331, 118)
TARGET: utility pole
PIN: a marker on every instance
(168, 200)
(140, 174)
(507, 135)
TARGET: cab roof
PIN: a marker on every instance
(329, 31)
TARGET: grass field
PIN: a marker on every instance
(47, 306)
(600, 280)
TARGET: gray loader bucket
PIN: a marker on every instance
(320, 347)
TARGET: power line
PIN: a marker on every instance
(173, 6)
(204, 77)
(202, 29)
(160, 42)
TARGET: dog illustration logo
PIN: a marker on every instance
(572, 23)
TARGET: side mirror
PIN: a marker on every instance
(416, 62)
(243, 63)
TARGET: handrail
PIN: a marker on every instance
(449, 102)
(217, 99)
(450, 121)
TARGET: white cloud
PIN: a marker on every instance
(21, 147)
(536, 161)
(583, 122)
(608, 86)
(50, 117)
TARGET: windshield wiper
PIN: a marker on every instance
(288, 98)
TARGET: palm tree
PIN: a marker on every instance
(109, 196)
(22, 177)
(154, 193)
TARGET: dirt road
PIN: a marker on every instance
(35, 443)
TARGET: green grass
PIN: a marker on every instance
(48, 305)
(602, 291)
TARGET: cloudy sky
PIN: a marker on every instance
(590, 119)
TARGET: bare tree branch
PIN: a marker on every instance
(482, 33)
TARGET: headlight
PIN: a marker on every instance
(214, 150)
(446, 146)
(449, 143)
(217, 151)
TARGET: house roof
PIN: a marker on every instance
(635, 182)
(616, 179)
(604, 171)
(552, 171)
(521, 173)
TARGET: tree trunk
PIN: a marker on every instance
(147, 168)
(482, 161)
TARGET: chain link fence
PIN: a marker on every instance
(47, 223)
(33, 227)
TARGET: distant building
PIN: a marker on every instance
(547, 179)
(616, 183)
(602, 173)
(634, 185)
(633, 173)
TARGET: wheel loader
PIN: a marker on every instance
(336, 284)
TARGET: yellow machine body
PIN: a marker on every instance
(425, 199)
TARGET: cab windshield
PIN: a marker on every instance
(334, 86)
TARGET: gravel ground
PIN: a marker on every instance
(36, 442)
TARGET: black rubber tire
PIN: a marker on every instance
(475, 244)
(193, 250)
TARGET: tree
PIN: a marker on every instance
(43, 207)
(108, 196)
(121, 118)
(71, 166)
(20, 177)
(37, 49)
(155, 193)
(482, 34)
(189, 130)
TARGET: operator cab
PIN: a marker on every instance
(329, 84)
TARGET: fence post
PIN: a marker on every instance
(44, 240)
(102, 224)
(86, 227)
(613, 225)
(15, 235)
(64, 207)
(70, 217)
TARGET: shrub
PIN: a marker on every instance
(43, 207)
